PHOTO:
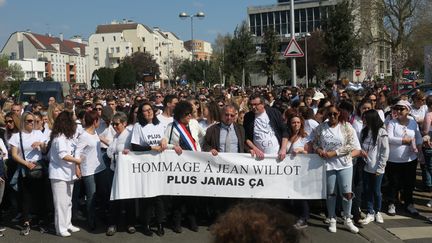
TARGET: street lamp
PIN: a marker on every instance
(305, 36)
(199, 15)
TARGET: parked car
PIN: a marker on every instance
(402, 87)
(425, 88)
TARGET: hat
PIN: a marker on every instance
(87, 102)
(318, 96)
(404, 103)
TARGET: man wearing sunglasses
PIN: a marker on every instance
(226, 136)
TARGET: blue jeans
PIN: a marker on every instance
(372, 191)
(90, 192)
(343, 180)
(427, 168)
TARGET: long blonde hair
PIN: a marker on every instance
(50, 112)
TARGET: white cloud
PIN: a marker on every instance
(2, 2)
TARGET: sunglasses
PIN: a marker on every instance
(330, 114)
(115, 123)
(29, 121)
(98, 109)
(158, 96)
(187, 114)
(399, 108)
(9, 121)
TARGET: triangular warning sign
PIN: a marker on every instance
(293, 49)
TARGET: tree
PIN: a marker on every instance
(16, 72)
(143, 64)
(342, 49)
(238, 52)
(283, 70)
(125, 76)
(271, 49)
(106, 77)
(219, 55)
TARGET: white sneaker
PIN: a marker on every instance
(73, 229)
(369, 218)
(332, 227)
(391, 210)
(349, 225)
(429, 204)
(64, 234)
(412, 210)
(378, 218)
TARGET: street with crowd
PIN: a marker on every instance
(58, 161)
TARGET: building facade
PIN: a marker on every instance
(32, 68)
(64, 60)
(201, 50)
(308, 17)
(117, 40)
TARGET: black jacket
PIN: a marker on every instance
(276, 122)
(211, 139)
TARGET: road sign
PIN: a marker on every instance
(357, 72)
(382, 76)
(293, 49)
(94, 81)
(406, 72)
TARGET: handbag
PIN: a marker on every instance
(39, 171)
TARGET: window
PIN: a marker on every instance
(114, 38)
(96, 51)
(139, 48)
(103, 39)
(117, 49)
(97, 62)
(143, 39)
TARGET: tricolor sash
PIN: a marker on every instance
(186, 136)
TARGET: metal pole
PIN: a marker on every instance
(306, 60)
(192, 44)
(293, 60)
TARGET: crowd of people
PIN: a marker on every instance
(58, 160)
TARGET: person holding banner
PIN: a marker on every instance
(184, 134)
(337, 143)
(62, 171)
(265, 129)
(120, 144)
(148, 135)
(92, 164)
(298, 143)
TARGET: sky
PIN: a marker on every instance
(80, 17)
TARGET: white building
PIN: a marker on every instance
(32, 68)
(113, 42)
(64, 60)
(308, 17)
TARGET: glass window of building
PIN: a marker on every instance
(258, 24)
(284, 23)
(277, 22)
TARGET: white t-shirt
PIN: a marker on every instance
(420, 113)
(60, 169)
(164, 120)
(331, 140)
(310, 125)
(264, 137)
(402, 153)
(150, 134)
(300, 143)
(89, 147)
(31, 154)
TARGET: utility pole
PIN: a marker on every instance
(293, 60)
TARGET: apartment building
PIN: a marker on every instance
(117, 40)
(202, 50)
(64, 60)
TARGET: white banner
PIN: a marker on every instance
(236, 175)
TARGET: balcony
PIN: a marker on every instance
(114, 55)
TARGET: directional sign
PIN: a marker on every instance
(357, 72)
(94, 81)
(293, 49)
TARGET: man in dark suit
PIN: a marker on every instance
(226, 136)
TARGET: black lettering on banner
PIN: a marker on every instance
(182, 179)
(208, 168)
(256, 182)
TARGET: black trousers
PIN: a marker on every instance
(150, 205)
(401, 176)
(33, 192)
(115, 209)
(185, 204)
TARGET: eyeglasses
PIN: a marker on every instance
(9, 121)
(187, 114)
(333, 114)
(254, 104)
(230, 115)
(29, 121)
(158, 96)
